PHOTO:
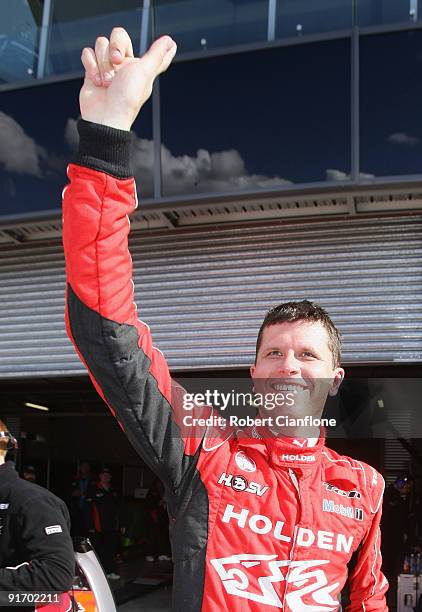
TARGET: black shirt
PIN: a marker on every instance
(102, 507)
(36, 551)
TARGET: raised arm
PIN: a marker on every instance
(128, 371)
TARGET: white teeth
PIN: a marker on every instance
(288, 388)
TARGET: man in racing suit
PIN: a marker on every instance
(258, 520)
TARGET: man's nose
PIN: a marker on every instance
(289, 366)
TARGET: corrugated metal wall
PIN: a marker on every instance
(204, 293)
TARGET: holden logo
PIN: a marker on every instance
(244, 462)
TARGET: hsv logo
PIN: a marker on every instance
(263, 525)
(253, 577)
(239, 483)
(244, 462)
(305, 458)
(334, 489)
(354, 513)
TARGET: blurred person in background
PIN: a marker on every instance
(36, 551)
(102, 514)
(80, 485)
(29, 473)
(400, 529)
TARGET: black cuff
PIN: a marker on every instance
(104, 148)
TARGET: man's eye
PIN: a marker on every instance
(308, 354)
(275, 353)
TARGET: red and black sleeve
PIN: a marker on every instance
(130, 373)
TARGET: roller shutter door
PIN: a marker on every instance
(205, 292)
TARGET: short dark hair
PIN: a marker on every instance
(303, 311)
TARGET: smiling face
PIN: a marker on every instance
(295, 358)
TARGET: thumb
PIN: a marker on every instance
(159, 56)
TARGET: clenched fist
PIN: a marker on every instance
(116, 83)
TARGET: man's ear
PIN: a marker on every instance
(252, 371)
(336, 382)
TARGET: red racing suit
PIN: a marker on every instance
(256, 522)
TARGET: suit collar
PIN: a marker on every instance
(283, 451)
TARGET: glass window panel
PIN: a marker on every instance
(77, 24)
(143, 153)
(36, 146)
(258, 119)
(206, 24)
(20, 23)
(301, 17)
(376, 12)
(390, 104)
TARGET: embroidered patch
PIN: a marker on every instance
(53, 529)
(244, 462)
